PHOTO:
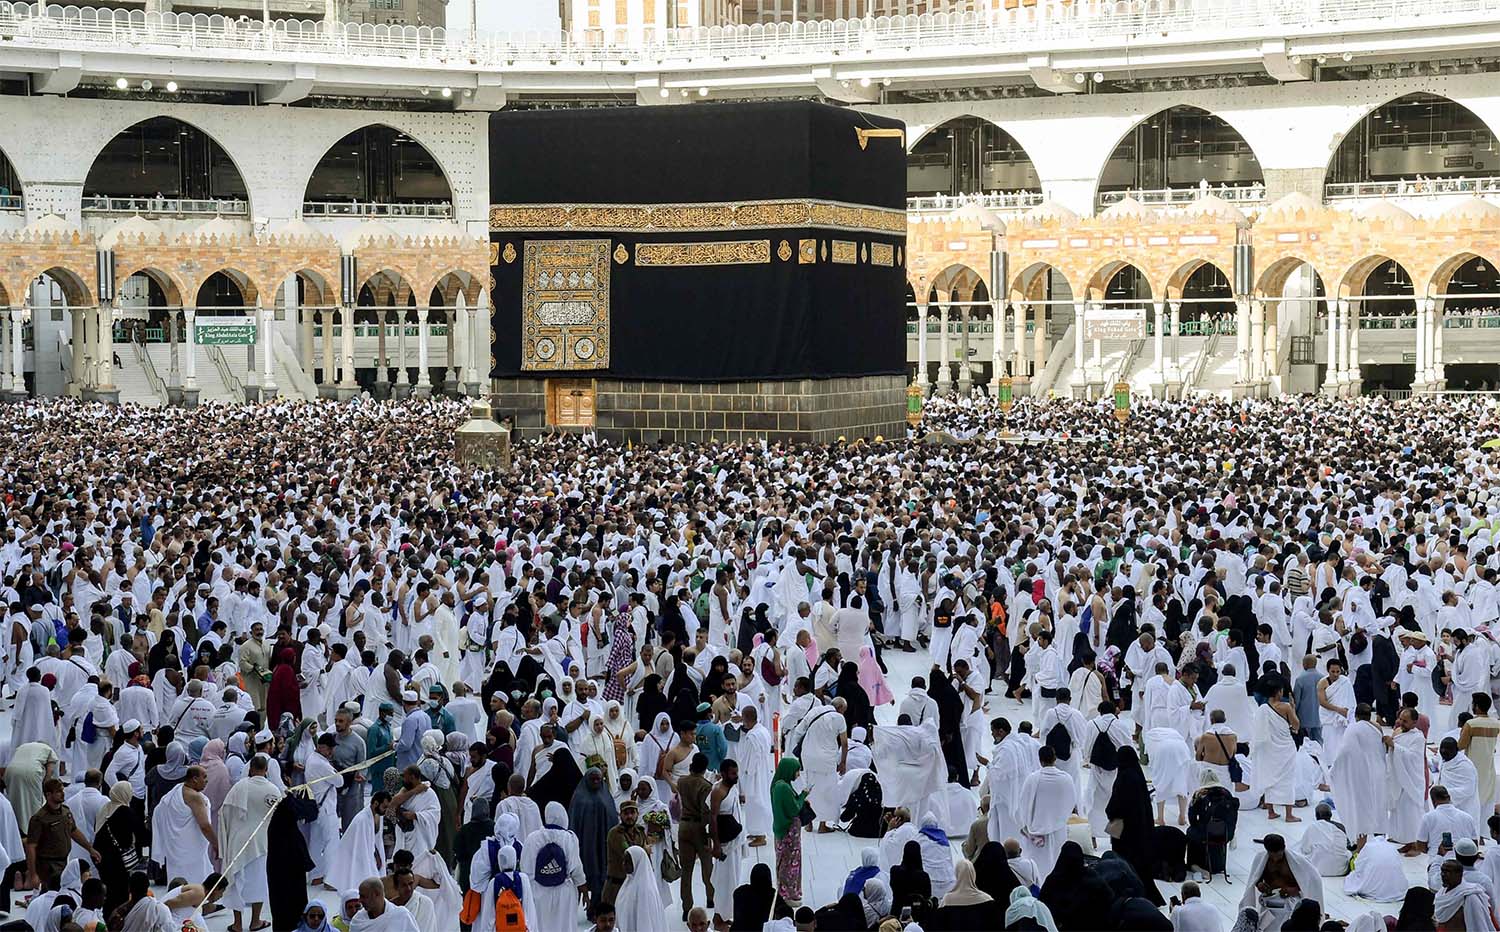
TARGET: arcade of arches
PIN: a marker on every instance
(1373, 266)
(173, 283)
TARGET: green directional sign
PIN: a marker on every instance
(225, 331)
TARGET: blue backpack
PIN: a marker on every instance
(551, 865)
(88, 733)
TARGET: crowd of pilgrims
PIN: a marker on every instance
(254, 653)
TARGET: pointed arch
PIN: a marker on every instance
(378, 164)
(164, 157)
(1179, 147)
(969, 155)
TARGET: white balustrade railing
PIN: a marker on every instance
(1042, 26)
(1239, 194)
(1001, 200)
(1412, 187)
(185, 206)
(440, 211)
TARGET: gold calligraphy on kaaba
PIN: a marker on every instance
(717, 216)
(882, 254)
(845, 252)
(807, 252)
(565, 305)
(732, 252)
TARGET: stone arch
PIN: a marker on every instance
(1106, 273)
(1273, 277)
(315, 289)
(1179, 277)
(955, 279)
(389, 282)
(171, 284)
(1338, 155)
(103, 178)
(1029, 284)
(1107, 181)
(1442, 276)
(249, 290)
(1352, 282)
(322, 179)
(454, 280)
(74, 284)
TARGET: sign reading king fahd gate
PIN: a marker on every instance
(225, 331)
(1114, 323)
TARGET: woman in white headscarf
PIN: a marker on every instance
(638, 906)
(877, 901)
(617, 725)
(597, 748)
(654, 747)
(1025, 906)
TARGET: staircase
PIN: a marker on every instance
(1216, 370)
(136, 381)
(1059, 367)
(211, 385)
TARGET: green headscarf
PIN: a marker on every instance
(786, 803)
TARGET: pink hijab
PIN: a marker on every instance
(217, 772)
(871, 679)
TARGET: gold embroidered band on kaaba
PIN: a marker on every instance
(734, 252)
(706, 217)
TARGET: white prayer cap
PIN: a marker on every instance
(131, 725)
(262, 736)
(35, 607)
(410, 696)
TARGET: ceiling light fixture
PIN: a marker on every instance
(171, 87)
(121, 84)
(447, 92)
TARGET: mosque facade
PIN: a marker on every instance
(1283, 201)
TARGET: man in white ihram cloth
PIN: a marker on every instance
(1357, 777)
(1377, 873)
(909, 765)
(244, 820)
(1274, 756)
(359, 853)
(1047, 800)
(1011, 763)
(178, 826)
(823, 753)
(752, 751)
(1288, 877)
(550, 857)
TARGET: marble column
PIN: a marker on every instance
(1439, 370)
(17, 352)
(79, 350)
(190, 371)
(922, 379)
(475, 345)
(403, 377)
(1159, 343)
(1346, 312)
(1175, 326)
(1356, 374)
(450, 369)
(1331, 379)
(348, 386)
(1080, 364)
(329, 376)
(1424, 313)
(1257, 340)
(382, 362)
(1018, 366)
(5, 352)
(965, 373)
(997, 346)
(1242, 339)
(307, 343)
(106, 390)
(945, 362)
(424, 375)
(174, 375)
(1039, 336)
(265, 334)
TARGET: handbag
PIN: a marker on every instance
(671, 864)
(729, 828)
(130, 857)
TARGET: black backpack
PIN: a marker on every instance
(1103, 755)
(1060, 740)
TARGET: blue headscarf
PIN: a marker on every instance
(869, 867)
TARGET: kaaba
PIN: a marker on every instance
(699, 272)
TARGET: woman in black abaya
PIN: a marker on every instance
(950, 721)
(1130, 806)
